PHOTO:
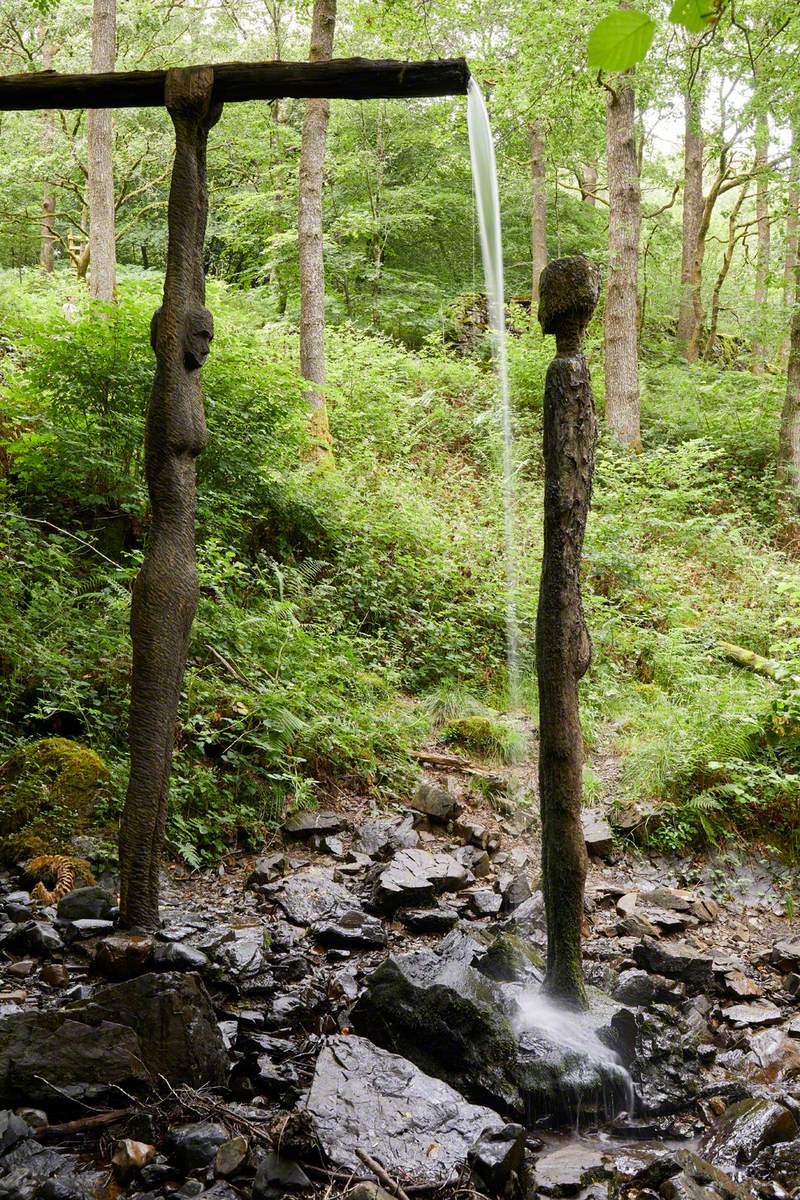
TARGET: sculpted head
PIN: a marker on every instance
(568, 292)
(198, 334)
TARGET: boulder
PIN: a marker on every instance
(87, 903)
(196, 1145)
(429, 920)
(498, 1156)
(597, 834)
(564, 1172)
(676, 960)
(267, 870)
(311, 895)
(129, 1033)
(745, 1129)
(785, 955)
(362, 1097)
(353, 930)
(303, 824)
(33, 937)
(380, 837)
(414, 877)
(663, 1053)
(640, 988)
(434, 802)
(761, 1013)
(123, 955)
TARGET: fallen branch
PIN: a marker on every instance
(97, 1121)
(756, 662)
(454, 763)
(382, 1176)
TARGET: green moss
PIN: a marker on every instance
(485, 736)
(48, 793)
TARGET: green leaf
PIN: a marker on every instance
(621, 40)
(694, 15)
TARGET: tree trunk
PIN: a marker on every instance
(47, 250)
(790, 264)
(538, 209)
(763, 245)
(165, 591)
(789, 444)
(622, 295)
(102, 242)
(568, 294)
(312, 266)
(725, 266)
(587, 182)
(692, 214)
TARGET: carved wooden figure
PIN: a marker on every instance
(165, 591)
(568, 293)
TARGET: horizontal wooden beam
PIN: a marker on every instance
(339, 78)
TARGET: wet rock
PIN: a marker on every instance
(434, 802)
(530, 915)
(780, 1164)
(747, 1128)
(128, 1034)
(33, 937)
(13, 1129)
(663, 1057)
(497, 1156)
(564, 1172)
(311, 895)
(87, 904)
(762, 1013)
(196, 1145)
(303, 824)
(241, 960)
(509, 958)
(785, 955)
(231, 1156)
(173, 956)
(277, 1175)
(267, 870)
(597, 834)
(352, 930)
(123, 956)
(380, 837)
(365, 1098)
(129, 1157)
(55, 975)
(414, 877)
(676, 960)
(640, 988)
(515, 892)
(429, 920)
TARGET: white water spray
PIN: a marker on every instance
(484, 177)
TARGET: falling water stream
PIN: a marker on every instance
(484, 176)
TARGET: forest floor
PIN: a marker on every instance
(698, 954)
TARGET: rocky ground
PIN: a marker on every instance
(357, 1011)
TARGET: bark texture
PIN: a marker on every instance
(789, 442)
(47, 248)
(763, 242)
(102, 237)
(312, 266)
(538, 209)
(587, 182)
(622, 292)
(790, 262)
(734, 237)
(692, 214)
(165, 591)
(569, 291)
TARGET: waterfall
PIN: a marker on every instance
(484, 178)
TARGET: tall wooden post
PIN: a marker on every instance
(568, 292)
(165, 591)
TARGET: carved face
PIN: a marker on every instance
(198, 335)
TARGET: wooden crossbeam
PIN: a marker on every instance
(339, 78)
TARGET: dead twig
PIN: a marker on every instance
(381, 1175)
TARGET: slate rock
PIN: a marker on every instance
(414, 877)
(780, 1164)
(87, 903)
(434, 802)
(304, 824)
(498, 1155)
(277, 1175)
(662, 1053)
(597, 834)
(380, 837)
(761, 1013)
(745, 1129)
(785, 955)
(564, 1172)
(429, 920)
(311, 895)
(13, 1129)
(33, 937)
(123, 955)
(641, 988)
(515, 892)
(241, 959)
(128, 1033)
(174, 956)
(362, 1097)
(267, 870)
(352, 930)
(676, 960)
(196, 1145)
(485, 903)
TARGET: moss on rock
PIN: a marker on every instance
(485, 736)
(48, 794)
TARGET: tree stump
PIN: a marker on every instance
(165, 591)
(568, 293)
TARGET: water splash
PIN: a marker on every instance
(484, 177)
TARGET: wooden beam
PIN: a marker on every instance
(339, 78)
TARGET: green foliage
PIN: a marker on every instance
(620, 40)
(486, 736)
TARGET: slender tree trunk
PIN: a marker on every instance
(312, 267)
(789, 276)
(763, 247)
(538, 209)
(725, 266)
(568, 294)
(789, 443)
(692, 213)
(622, 294)
(47, 249)
(102, 240)
(165, 591)
(587, 182)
